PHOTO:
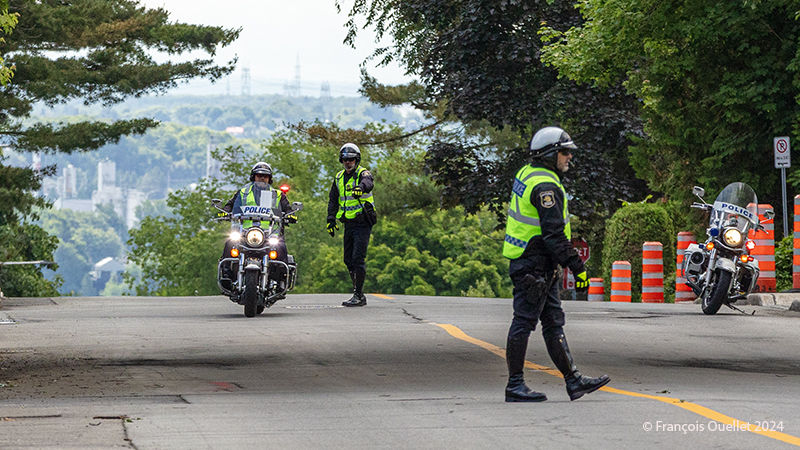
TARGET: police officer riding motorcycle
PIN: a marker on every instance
(255, 269)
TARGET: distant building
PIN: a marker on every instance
(213, 166)
(74, 204)
(68, 182)
(123, 200)
(104, 270)
(106, 175)
(236, 131)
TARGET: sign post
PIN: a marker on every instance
(783, 159)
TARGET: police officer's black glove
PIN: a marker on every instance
(332, 226)
(291, 218)
(358, 192)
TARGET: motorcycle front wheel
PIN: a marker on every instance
(250, 293)
(714, 300)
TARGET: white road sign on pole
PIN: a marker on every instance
(783, 152)
(783, 159)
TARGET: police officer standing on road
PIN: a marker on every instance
(350, 201)
(537, 242)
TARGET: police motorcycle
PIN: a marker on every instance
(254, 256)
(721, 270)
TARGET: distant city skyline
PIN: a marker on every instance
(275, 34)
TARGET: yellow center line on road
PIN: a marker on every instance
(738, 425)
(385, 297)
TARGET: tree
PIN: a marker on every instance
(717, 82)
(96, 51)
(481, 77)
(416, 248)
(93, 50)
(84, 238)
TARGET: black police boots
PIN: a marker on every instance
(358, 298)
(577, 384)
(516, 389)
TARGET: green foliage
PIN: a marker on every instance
(98, 51)
(784, 252)
(627, 230)
(7, 23)
(173, 155)
(17, 185)
(717, 81)
(84, 238)
(415, 248)
(27, 242)
(483, 84)
(178, 255)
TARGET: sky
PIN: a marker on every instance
(275, 36)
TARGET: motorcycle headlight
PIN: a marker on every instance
(733, 237)
(254, 237)
(273, 240)
(235, 236)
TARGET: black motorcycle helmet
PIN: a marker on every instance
(261, 168)
(546, 144)
(350, 151)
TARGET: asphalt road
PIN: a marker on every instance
(403, 372)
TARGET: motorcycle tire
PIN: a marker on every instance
(714, 300)
(260, 309)
(250, 293)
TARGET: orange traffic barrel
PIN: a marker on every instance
(683, 293)
(796, 245)
(621, 281)
(652, 272)
(596, 290)
(765, 251)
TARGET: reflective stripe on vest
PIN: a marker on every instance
(349, 206)
(248, 196)
(523, 218)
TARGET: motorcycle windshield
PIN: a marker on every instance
(736, 205)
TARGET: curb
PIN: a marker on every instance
(775, 299)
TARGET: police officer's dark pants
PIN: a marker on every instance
(527, 312)
(356, 241)
(547, 309)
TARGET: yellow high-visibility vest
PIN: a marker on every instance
(349, 206)
(248, 197)
(523, 217)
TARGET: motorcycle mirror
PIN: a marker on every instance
(698, 191)
(297, 206)
(769, 214)
(215, 201)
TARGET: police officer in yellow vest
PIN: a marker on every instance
(350, 202)
(250, 195)
(537, 242)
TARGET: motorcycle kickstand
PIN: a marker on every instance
(737, 309)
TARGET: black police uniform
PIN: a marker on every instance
(541, 258)
(356, 231)
(236, 201)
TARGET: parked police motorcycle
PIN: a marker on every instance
(721, 270)
(253, 257)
